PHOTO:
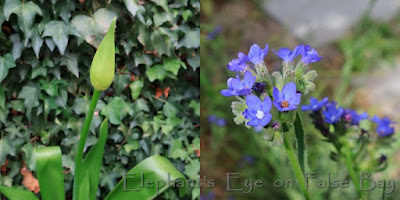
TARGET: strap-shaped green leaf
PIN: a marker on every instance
(17, 194)
(92, 164)
(155, 169)
(50, 173)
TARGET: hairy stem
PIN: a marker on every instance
(294, 162)
(354, 175)
(82, 141)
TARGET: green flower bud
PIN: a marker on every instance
(103, 64)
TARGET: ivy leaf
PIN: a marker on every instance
(176, 151)
(132, 7)
(6, 149)
(37, 41)
(115, 110)
(30, 95)
(59, 32)
(93, 29)
(136, 87)
(120, 82)
(17, 46)
(173, 65)
(25, 11)
(190, 40)
(6, 63)
(159, 43)
(156, 72)
(196, 107)
(71, 61)
(192, 170)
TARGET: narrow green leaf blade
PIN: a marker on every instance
(17, 194)
(155, 168)
(301, 147)
(93, 160)
(50, 173)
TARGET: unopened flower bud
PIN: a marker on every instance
(103, 64)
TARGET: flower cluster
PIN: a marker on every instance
(333, 114)
(257, 89)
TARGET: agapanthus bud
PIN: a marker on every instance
(103, 64)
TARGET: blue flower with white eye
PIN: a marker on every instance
(237, 87)
(383, 127)
(258, 111)
(315, 105)
(309, 55)
(287, 99)
(256, 55)
(353, 117)
(238, 64)
(288, 55)
(332, 113)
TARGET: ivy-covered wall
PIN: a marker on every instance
(153, 105)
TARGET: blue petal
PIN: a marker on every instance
(276, 94)
(253, 122)
(226, 93)
(296, 100)
(267, 118)
(253, 102)
(278, 106)
(306, 107)
(267, 104)
(249, 79)
(289, 90)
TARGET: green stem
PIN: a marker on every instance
(82, 141)
(291, 154)
(350, 167)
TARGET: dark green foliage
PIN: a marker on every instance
(45, 54)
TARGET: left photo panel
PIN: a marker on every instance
(99, 99)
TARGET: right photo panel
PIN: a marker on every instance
(300, 99)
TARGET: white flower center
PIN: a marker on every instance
(260, 114)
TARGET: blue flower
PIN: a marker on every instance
(213, 34)
(332, 113)
(287, 55)
(315, 105)
(212, 118)
(309, 55)
(258, 111)
(383, 127)
(236, 86)
(287, 99)
(220, 122)
(238, 64)
(256, 54)
(208, 196)
(352, 116)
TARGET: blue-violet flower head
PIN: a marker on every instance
(256, 55)
(238, 64)
(353, 117)
(258, 111)
(288, 98)
(315, 105)
(309, 55)
(288, 55)
(332, 113)
(236, 86)
(383, 127)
